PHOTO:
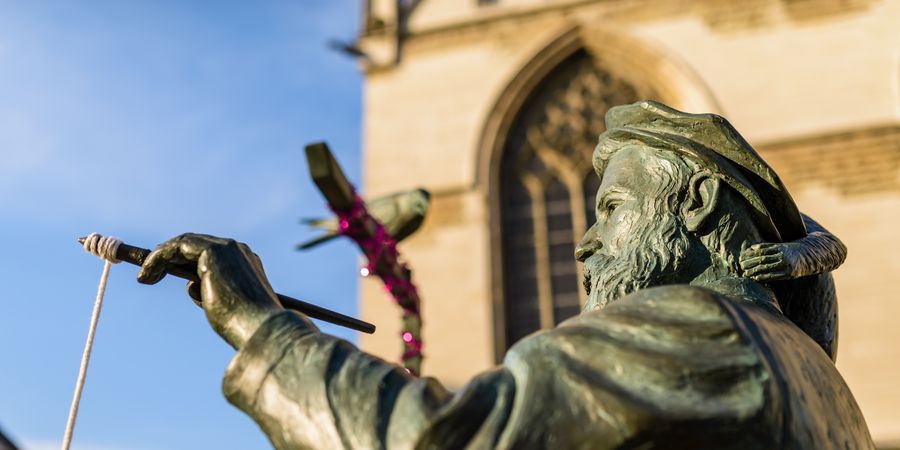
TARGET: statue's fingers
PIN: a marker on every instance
(762, 260)
(753, 271)
(193, 289)
(757, 248)
(762, 268)
(253, 257)
(154, 267)
(192, 245)
(746, 265)
(184, 249)
(771, 276)
(247, 251)
(760, 250)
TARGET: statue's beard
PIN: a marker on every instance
(652, 256)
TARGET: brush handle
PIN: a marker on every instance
(137, 255)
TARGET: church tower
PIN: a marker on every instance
(495, 106)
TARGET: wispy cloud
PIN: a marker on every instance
(142, 119)
(135, 128)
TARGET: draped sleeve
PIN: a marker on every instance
(661, 366)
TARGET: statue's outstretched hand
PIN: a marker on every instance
(233, 288)
(768, 261)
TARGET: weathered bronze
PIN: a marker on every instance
(678, 346)
(799, 274)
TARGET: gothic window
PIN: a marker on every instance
(547, 189)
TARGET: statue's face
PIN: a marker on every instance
(620, 201)
(638, 239)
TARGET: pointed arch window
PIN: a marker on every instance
(547, 189)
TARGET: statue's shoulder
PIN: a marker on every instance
(665, 331)
(771, 352)
(673, 298)
(672, 306)
(693, 357)
(660, 359)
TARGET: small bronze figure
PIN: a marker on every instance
(677, 347)
(799, 272)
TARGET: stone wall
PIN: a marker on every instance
(813, 84)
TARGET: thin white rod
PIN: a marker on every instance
(85, 358)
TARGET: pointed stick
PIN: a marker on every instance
(137, 255)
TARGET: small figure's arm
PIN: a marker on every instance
(818, 252)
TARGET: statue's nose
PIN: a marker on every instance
(582, 253)
(588, 246)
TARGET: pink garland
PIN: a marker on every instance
(384, 261)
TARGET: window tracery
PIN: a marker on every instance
(547, 189)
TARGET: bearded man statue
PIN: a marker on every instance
(674, 349)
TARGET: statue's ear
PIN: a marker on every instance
(701, 200)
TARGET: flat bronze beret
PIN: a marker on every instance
(714, 144)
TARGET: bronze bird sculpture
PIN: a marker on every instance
(400, 213)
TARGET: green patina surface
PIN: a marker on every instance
(710, 304)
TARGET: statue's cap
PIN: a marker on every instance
(713, 143)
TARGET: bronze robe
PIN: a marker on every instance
(671, 367)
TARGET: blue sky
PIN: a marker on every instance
(145, 120)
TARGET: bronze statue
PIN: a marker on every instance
(676, 348)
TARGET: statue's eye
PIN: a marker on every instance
(611, 206)
(607, 204)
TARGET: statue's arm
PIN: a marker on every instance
(816, 253)
(306, 389)
(602, 381)
(310, 390)
(611, 379)
(821, 251)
